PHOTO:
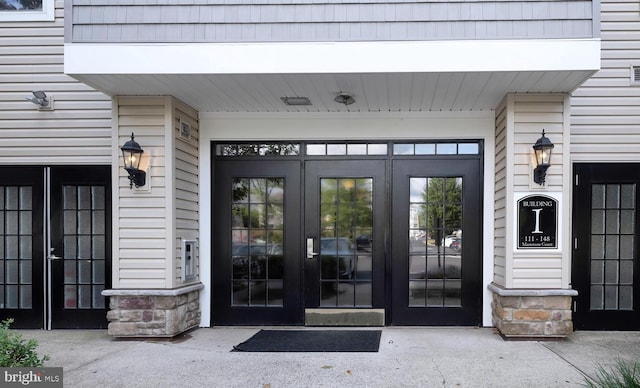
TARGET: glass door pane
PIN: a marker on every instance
(257, 238)
(84, 246)
(435, 241)
(613, 231)
(16, 255)
(346, 218)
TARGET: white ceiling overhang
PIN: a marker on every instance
(383, 76)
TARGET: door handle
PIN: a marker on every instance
(310, 252)
(52, 256)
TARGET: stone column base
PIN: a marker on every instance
(153, 313)
(532, 314)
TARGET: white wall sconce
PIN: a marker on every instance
(132, 154)
(41, 99)
(542, 149)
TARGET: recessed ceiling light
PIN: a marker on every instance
(296, 100)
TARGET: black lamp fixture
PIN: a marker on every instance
(542, 149)
(132, 153)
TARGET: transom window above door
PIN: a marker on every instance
(356, 148)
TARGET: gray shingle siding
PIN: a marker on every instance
(326, 20)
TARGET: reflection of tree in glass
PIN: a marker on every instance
(257, 201)
(444, 200)
(20, 5)
(259, 149)
(346, 207)
(240, 190)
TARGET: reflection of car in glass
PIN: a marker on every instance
(252, 258)
(456, 244)
(437, 281)
(418, 234)
(363, 241)
(337, 258)
(446, 242)
(257, 249)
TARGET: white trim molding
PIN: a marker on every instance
(354, 57)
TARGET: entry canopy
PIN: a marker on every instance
(460, 75)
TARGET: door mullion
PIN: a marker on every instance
(46, 290)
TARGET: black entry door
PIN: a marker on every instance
(605, 258)
(55, 253)
(80, 246)
(436, 245)
(21, 246)
(256, 243)
(345, 233)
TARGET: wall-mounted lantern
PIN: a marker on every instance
(542, 149)
(132, 153)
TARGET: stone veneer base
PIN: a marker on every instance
(153, 313)
(532, 314)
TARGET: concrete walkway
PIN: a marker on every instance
(408, 357)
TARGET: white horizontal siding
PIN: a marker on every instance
(532, 114)
(499, 264)
(605, 111)
(539, 283)
(141, 216)
(537, 263)
(520, 119)
(186, 165)
(78, 131)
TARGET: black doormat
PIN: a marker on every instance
(312, 341)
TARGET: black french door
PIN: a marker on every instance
(22, 261)
(345, 216)
(256, 243)
(605, 257)
(55, 246)
(436, 272)
(79, 254)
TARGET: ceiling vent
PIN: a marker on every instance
(296, 101)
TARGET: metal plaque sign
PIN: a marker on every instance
(537, 222)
